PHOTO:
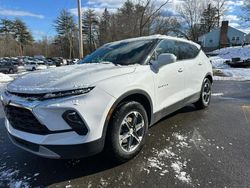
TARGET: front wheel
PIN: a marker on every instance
(127, 131)
(205, 95)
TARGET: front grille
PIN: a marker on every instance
(22, 119)
(28, 96)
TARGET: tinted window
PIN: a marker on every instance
(165, 46)
(123, 53)
(187, 51)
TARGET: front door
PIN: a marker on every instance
(169, 79)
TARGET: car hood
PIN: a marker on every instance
(66, 78)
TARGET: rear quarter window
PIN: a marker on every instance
(187, 51)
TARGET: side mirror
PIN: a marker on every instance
(165, 58)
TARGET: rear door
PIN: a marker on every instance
(188, 54)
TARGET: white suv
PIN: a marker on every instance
(109, 100)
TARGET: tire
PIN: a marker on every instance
(11, 71)
(133, 138)
(33, 68)
(205, 95)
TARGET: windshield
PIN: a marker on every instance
(122, 53)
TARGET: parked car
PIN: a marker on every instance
(109, 101)
(238, 63)
(35, 66)
(58, 61)
(8, 67)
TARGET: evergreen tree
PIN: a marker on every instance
(66, 27)
(104, 27)
(90, 29)
(6, 26)
(126, 20)
(21, 34)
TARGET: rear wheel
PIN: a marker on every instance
(205, 96)
(127, 131)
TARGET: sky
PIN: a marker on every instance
(39, 15)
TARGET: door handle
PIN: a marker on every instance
(200, 63)
(180, 70)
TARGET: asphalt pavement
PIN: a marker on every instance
(190, 148)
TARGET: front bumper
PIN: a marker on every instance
(60, 151)
(63, 141)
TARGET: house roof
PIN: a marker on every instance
(214, 30)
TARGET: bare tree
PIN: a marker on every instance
(209, 18)
(149, 12)
(191, 11)
(246, 9)
(221, 7)
(167, 26)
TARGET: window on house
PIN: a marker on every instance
(238, 38)
(233, 39)
(210, 40)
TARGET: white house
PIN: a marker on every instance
(222, 37)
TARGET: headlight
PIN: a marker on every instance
(57, 94)
(66, 93)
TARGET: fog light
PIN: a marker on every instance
(75, 122)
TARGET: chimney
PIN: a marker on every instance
(224, 42)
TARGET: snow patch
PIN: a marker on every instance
(5, 78)
(231, 52)
(180, 174)
(217, 94)
(8, 178)
(224, 54)
(179, 137)
(166, 160)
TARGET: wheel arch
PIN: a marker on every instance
(135, 95)
(209, 76)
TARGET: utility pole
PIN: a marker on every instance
(80, 29)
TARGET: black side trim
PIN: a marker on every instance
(170, 109)
(166, 111)
(191, 99)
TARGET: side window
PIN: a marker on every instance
(187, 51)
(165, 46)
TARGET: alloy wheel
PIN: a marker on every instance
(132, 131)
(206, 93)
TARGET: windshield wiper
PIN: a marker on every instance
(107, 62)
